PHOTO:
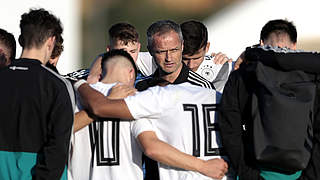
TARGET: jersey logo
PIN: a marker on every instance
(18, 68)
(207, 72)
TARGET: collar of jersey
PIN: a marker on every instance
(183, 76)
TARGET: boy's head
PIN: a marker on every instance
(124, 36)
(196, 45)
(279, 32)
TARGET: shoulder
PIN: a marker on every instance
(198, 80)
(144, 83)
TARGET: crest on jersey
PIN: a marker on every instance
(207, 72)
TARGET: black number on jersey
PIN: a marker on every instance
(99, 144)
(209, 128)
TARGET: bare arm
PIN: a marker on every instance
(102, 106)
(166, 154)
(81, 120)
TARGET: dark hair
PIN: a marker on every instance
(37, 26)
(58, 47)
(7, 40)
(3, 60)
(162, 27)
(279, 26)
(124, 32)
(195, 35)
(118, 52)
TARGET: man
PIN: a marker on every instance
(165, 43)
(196, 45)
(56, 53)
(131, 109)
(105, 149)
(36, 106)
(235, 106)
(124, 36)
(7, 48)
(275, 38)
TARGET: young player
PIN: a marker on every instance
(106, 149)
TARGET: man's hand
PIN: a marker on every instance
(120, 91)
(220, 58)
(239, 61)
(214, 168)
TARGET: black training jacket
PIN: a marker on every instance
(36, 110)
(235, 110)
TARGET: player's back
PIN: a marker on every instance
(183, 116)
(35, 105)
(105, 149)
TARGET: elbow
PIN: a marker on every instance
(152, 152)
(97, 110)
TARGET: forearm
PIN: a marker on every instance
(81, 120)
(167, 154)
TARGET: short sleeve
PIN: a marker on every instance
(145, 104)
(146, 64)
(141, 125)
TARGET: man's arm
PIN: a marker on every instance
(84, 118)
(166, 154)
(102, 106)
(81, 120)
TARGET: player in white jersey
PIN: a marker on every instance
(106, 149)
(189, 127)
(215, 68)
(167, 50)
(124, 36)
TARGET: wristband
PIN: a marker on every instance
(79, 83)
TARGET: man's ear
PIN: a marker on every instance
(207, 46)
(139, 46)
(51, 41)
(294, 46)
(108, 48)
(132, 74)
(182, 46)
(261, 43)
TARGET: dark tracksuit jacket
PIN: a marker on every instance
(235, 111)
(36, 117)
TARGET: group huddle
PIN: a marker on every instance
(174, 112)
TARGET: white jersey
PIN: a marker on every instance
(105, 150)
(181, 115)
(216, 73)
(145, 64)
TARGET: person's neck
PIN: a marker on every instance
(172, 76)
(35, 53)
(108, 80)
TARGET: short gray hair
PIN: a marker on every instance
(162, 27)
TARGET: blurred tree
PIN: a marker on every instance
(99, 15)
